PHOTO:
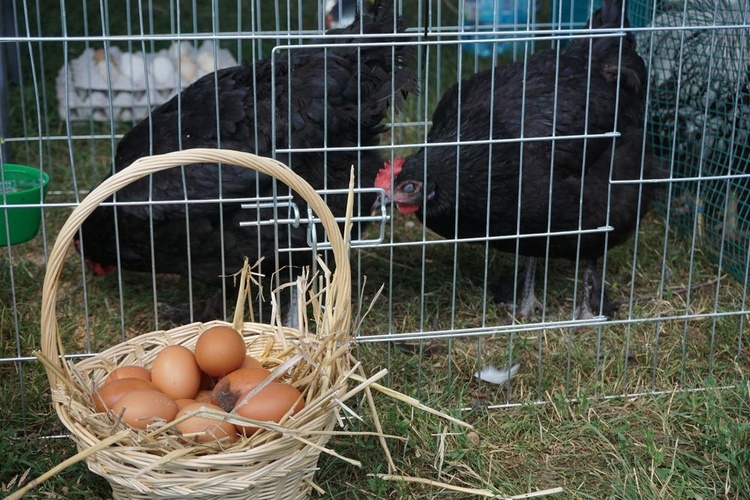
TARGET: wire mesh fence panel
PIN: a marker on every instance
(566, 200)
(678, 289)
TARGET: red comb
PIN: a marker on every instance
(383, 179)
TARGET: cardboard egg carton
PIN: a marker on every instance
(134, 82)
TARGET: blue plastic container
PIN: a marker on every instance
(571, 14)
(488, 15)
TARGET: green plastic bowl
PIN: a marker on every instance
(19, 185)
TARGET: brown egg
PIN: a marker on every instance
(203, 396)
(182, 403)
(231, 388)
(142, 408)
(207, 381)
(176, 373)
(203, 428)
(270, 404)
(128, 371)
(251, 362)
(220, 350)
(107, 395)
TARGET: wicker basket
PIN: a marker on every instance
(276, 463)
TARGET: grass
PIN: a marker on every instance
(570, 419)
(689, 445)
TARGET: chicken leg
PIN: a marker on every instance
(589, 307)
(527, 303)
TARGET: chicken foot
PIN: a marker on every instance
(527, 304)
(591, 293)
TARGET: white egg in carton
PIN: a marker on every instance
(137, 81)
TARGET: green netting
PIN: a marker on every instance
(699, 119)
(639, 12)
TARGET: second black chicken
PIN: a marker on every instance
(539, 186)
(306, 98)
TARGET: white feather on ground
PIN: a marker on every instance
(497, 376)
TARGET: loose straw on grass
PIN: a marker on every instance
(67, 463)
(413, 402)
(461, 489)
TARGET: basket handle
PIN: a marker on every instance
(339, 300)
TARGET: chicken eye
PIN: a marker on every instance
(409, 187)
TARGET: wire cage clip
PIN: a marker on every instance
(285, 205)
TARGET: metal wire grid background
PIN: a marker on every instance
(681, 319)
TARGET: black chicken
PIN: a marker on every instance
(594, 87)
(336, 97)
